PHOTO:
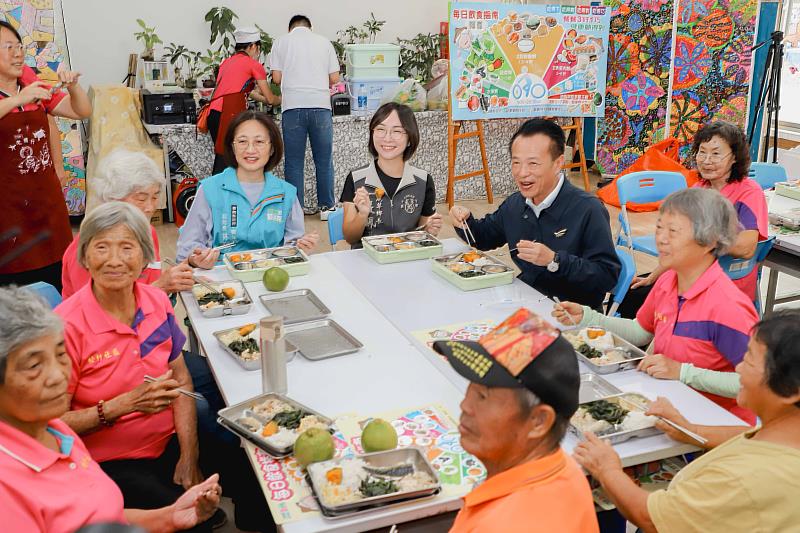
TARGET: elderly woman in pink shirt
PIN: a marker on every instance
(50, 482)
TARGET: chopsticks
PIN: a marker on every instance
(691, 434)
(558, 303)
(468, 235)
(224, 246)
(194, 278)
(151, 379)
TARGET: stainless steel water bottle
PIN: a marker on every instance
(273, 355)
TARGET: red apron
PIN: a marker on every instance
(34, 202)
(232, 105)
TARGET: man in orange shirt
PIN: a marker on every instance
(524, 389)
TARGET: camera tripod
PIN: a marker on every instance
(769, 95)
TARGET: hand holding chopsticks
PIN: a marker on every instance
(669, 415)
(565, 312)
(194, 278)
(190, 394)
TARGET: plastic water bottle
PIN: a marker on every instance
(362, 99)
(273, 355)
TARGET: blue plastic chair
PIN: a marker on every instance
(46, 291)
(335, 222)
(767, 174)
(624, 282)
(644, 187)
(737, 268)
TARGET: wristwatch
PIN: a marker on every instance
(552, 266)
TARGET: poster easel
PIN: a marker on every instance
(580, 164)
(455, 134)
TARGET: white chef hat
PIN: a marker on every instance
(248, 34)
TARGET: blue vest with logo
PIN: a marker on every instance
(262, 225)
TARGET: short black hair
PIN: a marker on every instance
(241, 47)
(407, 119)
(780, 333)
(299, 20)
(541, 126)
(734, 137)
(275, 138)
(12, 29)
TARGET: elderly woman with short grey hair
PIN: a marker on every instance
(698, 320)
(41, 488)
(119, 331)
(134, 178)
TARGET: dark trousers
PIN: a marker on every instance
(634, 300)
(49, 274)
(213, 130)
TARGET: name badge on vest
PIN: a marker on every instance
(275, 215)
(234, 215)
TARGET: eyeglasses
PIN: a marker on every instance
(8, 47)
(396, 133)
(711, 158)
(243, 144)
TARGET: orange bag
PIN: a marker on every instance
(202, 118)
(661, 156)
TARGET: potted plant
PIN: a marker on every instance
(222, 27)
(177, 55)
(210, 66)
(195, 69)
(418, 54)
(148, 38)
(356, 35)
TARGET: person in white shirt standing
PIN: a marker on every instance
(305, 65)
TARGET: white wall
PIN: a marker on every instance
(100, 32)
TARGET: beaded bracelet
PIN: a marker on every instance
(102, 415)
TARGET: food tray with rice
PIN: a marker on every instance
(295, 306)
(602, 351)
(593, 387)
(250, 265)
(243, 344)
(472, 270)
(272, 422)
(362, 483)
(399, 247)
(231, 298)
(321, 339)
(615, 418)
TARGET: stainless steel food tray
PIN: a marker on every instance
(635, 353)
(321, 339)
(253, 364)
(388, 253)
(593, 387)
(238, 307)
(295, 306)
(228, 418)
(631, 401)
(410, 455)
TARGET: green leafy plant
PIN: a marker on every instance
(373, 27)
(177, 54)
(356, 35)
(210, 62)
(418, 54)
(222, 27)
(266, 42)
(148, 38)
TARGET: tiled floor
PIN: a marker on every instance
(642, 223)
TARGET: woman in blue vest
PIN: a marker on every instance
(246, 203)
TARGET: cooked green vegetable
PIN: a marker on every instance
(244, 345)
(289, 419)
(605, 410)
(471, 274)
(212, 297)
(290, 260)
(377, 487)
(588, 351)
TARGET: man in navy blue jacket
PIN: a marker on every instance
(559, 235)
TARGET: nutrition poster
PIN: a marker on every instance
(431, 428)
(512, 60)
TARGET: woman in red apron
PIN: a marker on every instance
(34, 226)
(238, 75)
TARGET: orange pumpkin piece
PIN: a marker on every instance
(235, 258)
(270, 429)
(229, 292)
(247, 257)
(595, 333)
(334, 476)
(247, 329)
(469, 257)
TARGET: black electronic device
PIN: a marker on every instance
(340, 104)
(168, 108)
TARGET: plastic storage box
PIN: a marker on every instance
(377, 89)
(376, 61)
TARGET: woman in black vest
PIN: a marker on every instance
(388, 195)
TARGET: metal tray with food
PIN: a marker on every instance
(615, 418)
(789, 218)
(243, 344)
(272, 422)
(399, 247)
(230, 298)
(295, 306)
(363, 482)
(602, 351)
(321, 339)
(593, 387)
(250, 265)
(473, 270)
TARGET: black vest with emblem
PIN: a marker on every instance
(396, 214)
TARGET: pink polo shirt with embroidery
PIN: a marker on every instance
(56, 492)
(74, 276)
(708, 325)
(110, 358)
(751, 208)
